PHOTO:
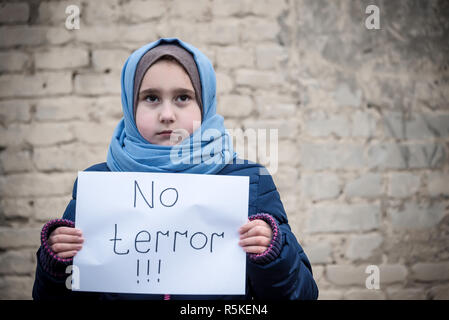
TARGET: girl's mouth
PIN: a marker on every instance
(165, 133)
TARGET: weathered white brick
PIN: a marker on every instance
(343, 218)
(36, 184)
(16, 287)
(194, 9)
(318, 156)
(60, 36)
(41, 134)
(288, 152)
(403, 184)
(346, 275)
(268, 8)
(406, 294)
(94, 133)
(17, 208)
(112, 59)
(438, 184)
(225, 84)
(13, 135)
(231, 7)
(320, 186)
(270, 56)
(235, 106)
(261, 79)
(387, 156)
(14, 12)
(367, 185)
(235, 57)
(257, 29)
(15, 160)
(49, 208)
(16, 262)
(413, 215)
(97, 83)
(102, 12)
(62, 108)
(364, 124)
(53, 12)
(40, 84)
(319, 252)
(427, 155)
(22, 35)
(394, 124)
(440, 292)
(323, 124)
(392, 273)
(105, 34)
(102, 109)
(13, 61)
(72, 157)
(431, 271)
(364, 294)
(61, 58)
(15, 111)
(363, 246)
(138, 10)
(415, 126)
(11, 238)
(271, 105)
(330, 294)
(399, 156)
(228, 32)
(287, 129)
(286, 178)
(345, 96)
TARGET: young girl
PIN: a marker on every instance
(168, 93)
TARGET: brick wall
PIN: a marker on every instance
(362, 118)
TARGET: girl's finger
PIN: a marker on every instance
(67, 254)
(62, 238)
(251, 225)
(254, 249)
(64, 247)
(258, 230)
(255, 241)
(67, 230)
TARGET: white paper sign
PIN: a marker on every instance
(161, 233)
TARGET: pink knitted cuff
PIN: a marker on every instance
(273, 251)
(50, 262)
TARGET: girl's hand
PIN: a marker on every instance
(255, 236)
(66, 241)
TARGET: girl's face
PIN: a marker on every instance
(166, 105)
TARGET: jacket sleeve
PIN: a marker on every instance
(52, 276)
(289, 276)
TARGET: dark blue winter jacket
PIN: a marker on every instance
(287, 276)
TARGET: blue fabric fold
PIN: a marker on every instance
(207, 150)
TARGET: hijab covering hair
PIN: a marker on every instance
(184, 58)
(207, 150)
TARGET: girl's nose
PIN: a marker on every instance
(167, 113)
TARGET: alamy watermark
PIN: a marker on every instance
(373, 20)
(256, 145)
(73, 280)
(72, 21)
(372, 282)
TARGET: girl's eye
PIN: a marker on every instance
(183, 98)
(151, 98)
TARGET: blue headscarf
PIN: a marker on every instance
(207, 150)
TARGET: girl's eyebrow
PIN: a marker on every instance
(174, 91)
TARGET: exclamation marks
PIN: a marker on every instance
(148, 270)
(159, 269)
